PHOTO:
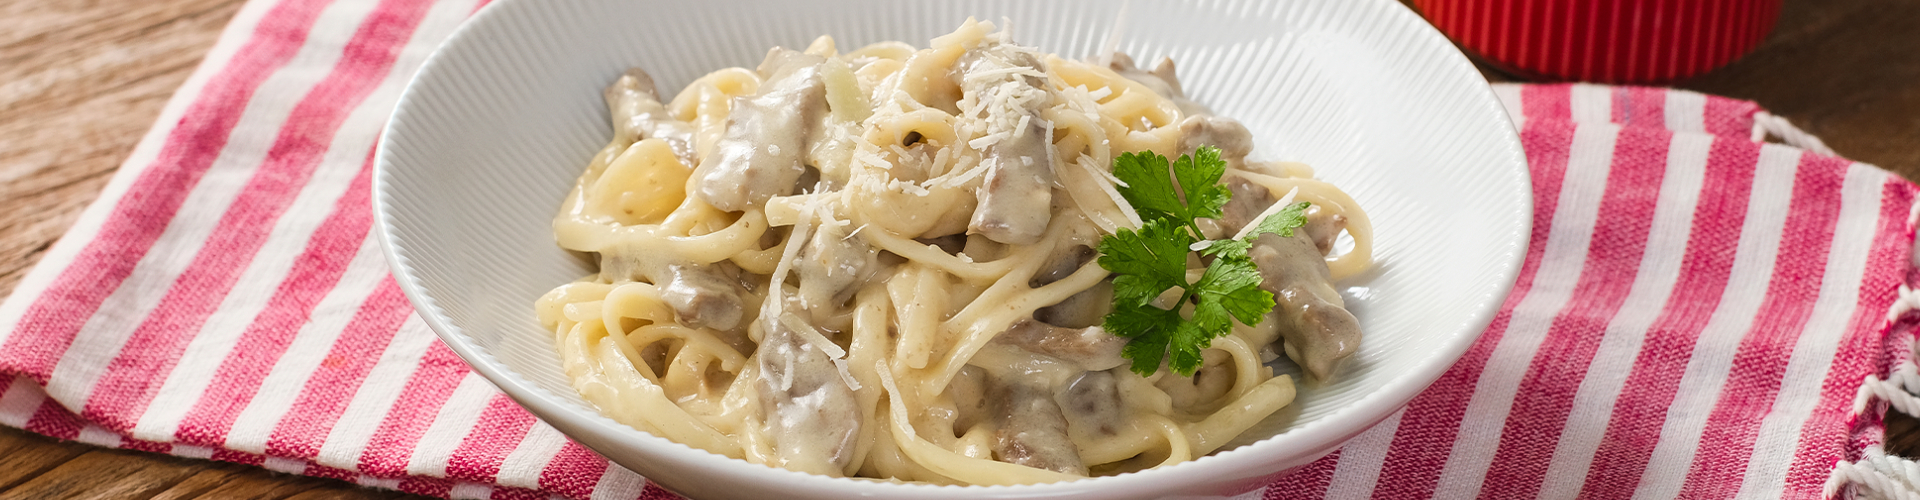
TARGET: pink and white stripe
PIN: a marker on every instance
(1690, 324)
(1693, 317)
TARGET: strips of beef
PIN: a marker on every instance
(1315, 328)
(1090, 348)
(1062, 264)
(638, 114)
(1082, 309)
(1029, 427)
(811, 414)
(762, 153)
(1322, 227)
(831, 265)
(1160, 80)
(1317, 331)
(1092, 404)
(702, 295)
(1015, 202)
(1233, 139)
(1249, 201)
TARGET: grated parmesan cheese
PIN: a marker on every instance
(908, 187)
(968, 175)
(846, 376)
(869, 158)
(894, 401)
(786, 375)
(940, 160)
(776, 283)
(1126, 209)
(812, 336)
(825, 213)
(1006, 71)
(1104, 173)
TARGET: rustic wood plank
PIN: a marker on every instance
(35, 466)
(63, 65)
(268, 485)
(83, 82)
(24, 455)
(103, 473)
(208, 478)
(1842, 70)
(1903, 434)
(322, 494)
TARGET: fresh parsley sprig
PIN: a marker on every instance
(1148, 262)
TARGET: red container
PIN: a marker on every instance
(1614, 41)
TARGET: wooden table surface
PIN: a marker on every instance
(82, 80)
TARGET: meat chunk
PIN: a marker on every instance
(638, 114)
(811, 414)
(1092, 405)
(1316, 330)
(1160, 80)
(1249, 201)
(762, 153)
(831, 266)
(1029, 427)
(701, 295)
(1200, 127)
(1062, 264)
(1015, 200)
(704, 295)
(1206, 387)
(1322, 227)
(1233, 139)
(952, 244)
(969, 393)
(1090, 348)
(1081, 309)
(1017, 195)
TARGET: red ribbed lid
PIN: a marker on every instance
(1619, 41)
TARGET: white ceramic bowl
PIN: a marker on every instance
(492, 132)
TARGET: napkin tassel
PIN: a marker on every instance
(1765, 124)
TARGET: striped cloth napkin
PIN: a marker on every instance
(1695, 316)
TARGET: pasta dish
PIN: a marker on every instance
(889, 263)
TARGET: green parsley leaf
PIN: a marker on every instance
(1230, 249)
(1155, 257)
(1149, 262)
(1188, 341)
(1234, 284)
(1150, 185)
(1150, 329)
(1229, 290)
(1282, 222)
(1200, 179)
(1138, 290)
